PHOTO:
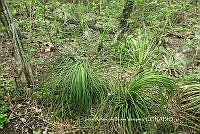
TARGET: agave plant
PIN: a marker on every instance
(146, 96)
(78, 85)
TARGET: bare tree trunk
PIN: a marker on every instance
(23, 68)
(124, 19)
(3, 19)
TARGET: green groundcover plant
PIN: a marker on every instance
(4, 87)
(3, 115)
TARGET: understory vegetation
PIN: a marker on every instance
(6, 87)
(103, 72)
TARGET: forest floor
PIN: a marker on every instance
(27, 114)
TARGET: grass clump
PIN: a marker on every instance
(78, 87)
(189, 106)
(146, 96)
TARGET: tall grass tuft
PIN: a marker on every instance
(78, 87)
(146, 96)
